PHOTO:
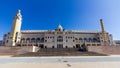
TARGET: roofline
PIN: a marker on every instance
(84, 31)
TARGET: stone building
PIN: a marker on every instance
(57, 38)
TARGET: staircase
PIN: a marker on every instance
(59, 51)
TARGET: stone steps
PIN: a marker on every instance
(59, 50)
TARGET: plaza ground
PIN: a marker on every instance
(63, 65)
(14, 63)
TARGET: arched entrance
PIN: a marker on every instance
(83, 48)
(77, 45)
(41, 45)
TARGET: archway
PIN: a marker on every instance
(77, 45)
(41, 45)
(83, 48)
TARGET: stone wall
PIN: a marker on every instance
(110, 50)
(5, 50)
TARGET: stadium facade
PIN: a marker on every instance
(58, 38)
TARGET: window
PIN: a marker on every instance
(28, 40)
(73, 40)
(80, 38)
(59, 39)
(66, 46)
(59, 45)
(90, 40)
(45, 40)
(85, 39)
(94, 40)
(33, 40)
(45, 46)
(76, 38)
(53, 47)
(23, 40)
(42, 40)
(38, 40)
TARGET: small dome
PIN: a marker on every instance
(60, 27)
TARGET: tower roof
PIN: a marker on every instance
(18, 14)
(19, 11)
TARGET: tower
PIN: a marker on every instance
(103, 32)
(16, 27)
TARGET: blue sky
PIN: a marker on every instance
(71, 14)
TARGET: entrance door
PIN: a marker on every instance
(59, 45)
(83, 48)
(41, 46)
(77, 45)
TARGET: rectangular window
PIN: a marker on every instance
(59, 45)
